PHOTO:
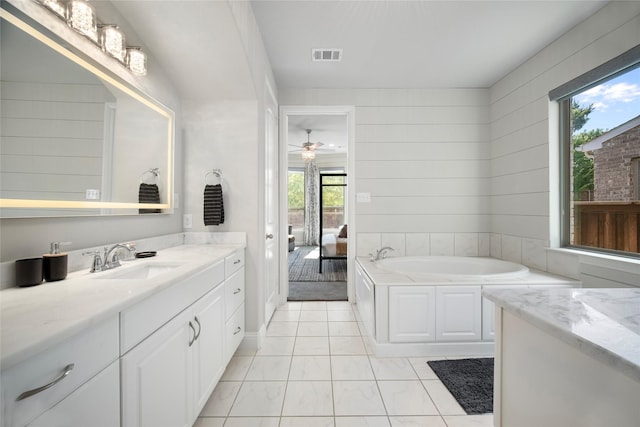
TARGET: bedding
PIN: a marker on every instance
(332, 245)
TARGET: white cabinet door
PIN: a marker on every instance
(365, 301)
(208, 348)
(458, 313)
(411, 314)
(96, 403)
(157, 378)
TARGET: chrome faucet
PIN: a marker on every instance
(111, 259)
(380, 253)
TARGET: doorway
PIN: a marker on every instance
(315, 142)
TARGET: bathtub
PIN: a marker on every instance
(433, 305)
(453, 268)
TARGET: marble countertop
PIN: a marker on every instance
(603, 323)
(33, 319)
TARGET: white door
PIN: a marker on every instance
(270, 206)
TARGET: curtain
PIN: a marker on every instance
(311, 204)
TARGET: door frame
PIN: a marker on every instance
(305, 110)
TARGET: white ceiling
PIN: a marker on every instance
(417, 43)
(331, 130)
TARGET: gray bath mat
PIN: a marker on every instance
(470, 381)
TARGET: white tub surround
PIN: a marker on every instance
(116, 331)
(421, 311)
(573, 352)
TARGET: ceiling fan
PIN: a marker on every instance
(309, 148)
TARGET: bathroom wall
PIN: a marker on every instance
(524, 146)
(474, 171)
(229, 135)
(424, 157)
(28, 237)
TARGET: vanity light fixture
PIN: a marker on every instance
(112, 41)
(56, 6)
(136, 61)
(81, 16)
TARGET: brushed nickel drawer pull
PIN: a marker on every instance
(199, 328)
(237, 262)
(26, 394)
(237, 331)
(191, 340)
(237, 291)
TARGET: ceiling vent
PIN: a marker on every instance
(326, 54)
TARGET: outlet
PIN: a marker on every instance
(363, 197)
(92, 194)
(187, 221)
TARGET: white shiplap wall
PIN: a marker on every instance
(424, 156)
(524, 136)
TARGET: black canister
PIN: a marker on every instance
(29, 272)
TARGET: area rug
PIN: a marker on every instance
(303, 266)
(317, 291)
(470, 381)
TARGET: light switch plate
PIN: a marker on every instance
(187, 221)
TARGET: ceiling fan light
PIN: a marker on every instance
(308, 154)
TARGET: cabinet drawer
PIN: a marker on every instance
(234, 292)
(89, 352)
(234, 262)
(95, 404)
(234, 332)
(139, 321)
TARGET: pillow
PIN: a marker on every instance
(343, 232)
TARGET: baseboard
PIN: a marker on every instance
(437, 349)
(253, 341)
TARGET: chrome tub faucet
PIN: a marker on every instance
(380, 253)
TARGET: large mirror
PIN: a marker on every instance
(73, 139)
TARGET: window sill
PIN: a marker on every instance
(626, 264)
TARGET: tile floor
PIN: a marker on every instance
(316, 370)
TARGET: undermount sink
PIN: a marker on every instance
(146, 271)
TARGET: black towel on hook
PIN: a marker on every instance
(213, 205)
(148, 193)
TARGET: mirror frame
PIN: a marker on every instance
(128, 89)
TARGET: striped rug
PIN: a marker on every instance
(303, 266)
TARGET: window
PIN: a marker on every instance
(295, 190)
(600, 137)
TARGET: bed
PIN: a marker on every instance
(333, 246)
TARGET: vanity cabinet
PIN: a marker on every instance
(84, 376)
(168, 377)
(234, 303)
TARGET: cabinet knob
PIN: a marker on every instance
(237, 291)
(67, 371)
(237, 331)
(269, 236)
(237, 262)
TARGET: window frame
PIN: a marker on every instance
(563, 95)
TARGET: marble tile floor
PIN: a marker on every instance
(315, 370)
